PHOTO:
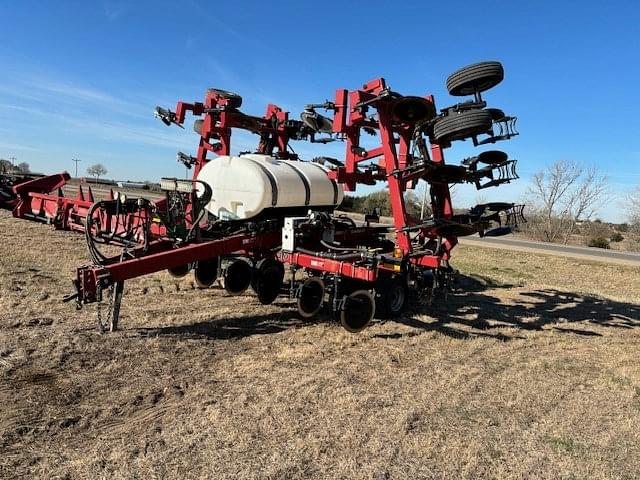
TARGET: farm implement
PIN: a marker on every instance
(250, 219)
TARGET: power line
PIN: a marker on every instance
(76, 160)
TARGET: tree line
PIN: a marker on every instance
(7, 166)
(382, 201)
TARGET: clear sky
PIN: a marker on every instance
(81, 79)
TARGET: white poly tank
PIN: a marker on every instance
(243, 187)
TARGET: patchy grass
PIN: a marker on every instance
(532, 270)
(566, 444)
(529, 371)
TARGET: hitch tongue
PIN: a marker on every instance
(71, 296)
(74, 296)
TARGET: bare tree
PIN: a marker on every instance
(634, 207)
(563, 194)
(24, 167)
(97, 170)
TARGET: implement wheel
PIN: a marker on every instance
(478, 77)
(391, 297)
(206, 272)
(237, 277)
(180, 271)
(458, 126)
(311, 297)
(268, 280)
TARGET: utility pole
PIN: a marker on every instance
(13, 161)
(76, 160)
(424, 201)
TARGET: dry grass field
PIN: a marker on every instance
(530, 370)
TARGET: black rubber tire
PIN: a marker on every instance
(256, 270)
(311, 297)
(492, 157)
(234, 100)
(413, 109)
(237, 277)
(392, 295)
(458, 126)
(205, 272)
(478, 77)
(269, 275)
(358, 311)
(179, 271)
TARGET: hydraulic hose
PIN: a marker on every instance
(333, 256)
(336, 247)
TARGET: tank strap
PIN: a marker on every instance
(270, 177)
(334, 184)
(305, 181)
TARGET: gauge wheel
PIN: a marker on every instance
(237, 277)
(205, 272)
(391, 297)
(478, 77)
(413, 109)
(179, 271)
(458, 126)
(268, 280)
(311, 297)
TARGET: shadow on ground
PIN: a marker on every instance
(232, 328)
(471, 311)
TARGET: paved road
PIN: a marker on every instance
(598, 254)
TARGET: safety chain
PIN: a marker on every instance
(99, 306)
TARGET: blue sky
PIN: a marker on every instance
(81, 79)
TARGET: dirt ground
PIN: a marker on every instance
(531, 370)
